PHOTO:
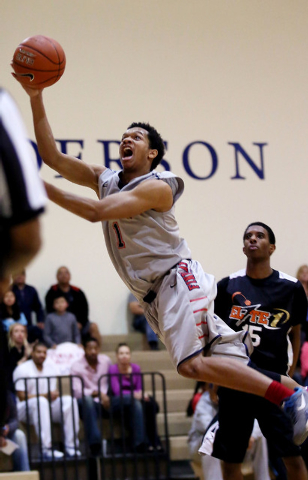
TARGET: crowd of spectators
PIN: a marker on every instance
(31, 331)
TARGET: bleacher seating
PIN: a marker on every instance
(20, 476)
(179, 392)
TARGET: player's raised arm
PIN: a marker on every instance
(150, 195)
(71, 168)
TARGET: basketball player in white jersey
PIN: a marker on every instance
(136, 208)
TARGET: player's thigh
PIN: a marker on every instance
(181, 312)
(236, 418)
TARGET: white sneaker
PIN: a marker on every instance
(296, 408)
(50, 454)
(72, 452)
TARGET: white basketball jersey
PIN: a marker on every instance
(145, 247)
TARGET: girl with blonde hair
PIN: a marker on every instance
(19, 348)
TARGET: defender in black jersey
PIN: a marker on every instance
(271, 306)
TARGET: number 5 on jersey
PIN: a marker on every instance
(252, 329)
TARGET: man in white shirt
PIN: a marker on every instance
(44, 407)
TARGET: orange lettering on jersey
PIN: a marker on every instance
(263, 318)
(254, 316)
(236, 313)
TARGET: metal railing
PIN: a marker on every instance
(120, 456)
(40, 418)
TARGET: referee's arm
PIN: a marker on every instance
(22, 195)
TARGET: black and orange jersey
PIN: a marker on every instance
(268, 308)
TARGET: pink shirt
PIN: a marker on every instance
(90, 376)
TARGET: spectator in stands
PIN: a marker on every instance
(10, 312)
(19, 348)
(90, 368)
(205, 416)
(127, 391)
(199, 390)
(60, 325)
(11, 431)
(77, 303)
(302, 276)
(140, 323)
(44, 406)
(29, 302)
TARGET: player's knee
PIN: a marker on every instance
(230, 470)
(191, 369)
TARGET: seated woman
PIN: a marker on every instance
(10, 312)
(19, 348)
(139, 409)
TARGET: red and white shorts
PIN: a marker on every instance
(183, 317)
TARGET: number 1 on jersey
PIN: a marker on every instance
(121, 243)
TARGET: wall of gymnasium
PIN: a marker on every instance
(224, 81)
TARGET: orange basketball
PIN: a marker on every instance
(38, 62)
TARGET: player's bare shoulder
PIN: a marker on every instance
(98, 170)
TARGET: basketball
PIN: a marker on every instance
(38, 62)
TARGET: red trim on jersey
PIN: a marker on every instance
(196, 299)
(205, 335)
(200, 310)
(204, 323)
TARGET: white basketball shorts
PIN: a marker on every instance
(182, 315)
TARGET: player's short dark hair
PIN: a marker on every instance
(270, 232)
(121, 344)
(155, 141)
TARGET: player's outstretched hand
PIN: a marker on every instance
(32, 92)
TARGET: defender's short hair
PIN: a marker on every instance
(270, 232)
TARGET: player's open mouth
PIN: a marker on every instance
(127, 153)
